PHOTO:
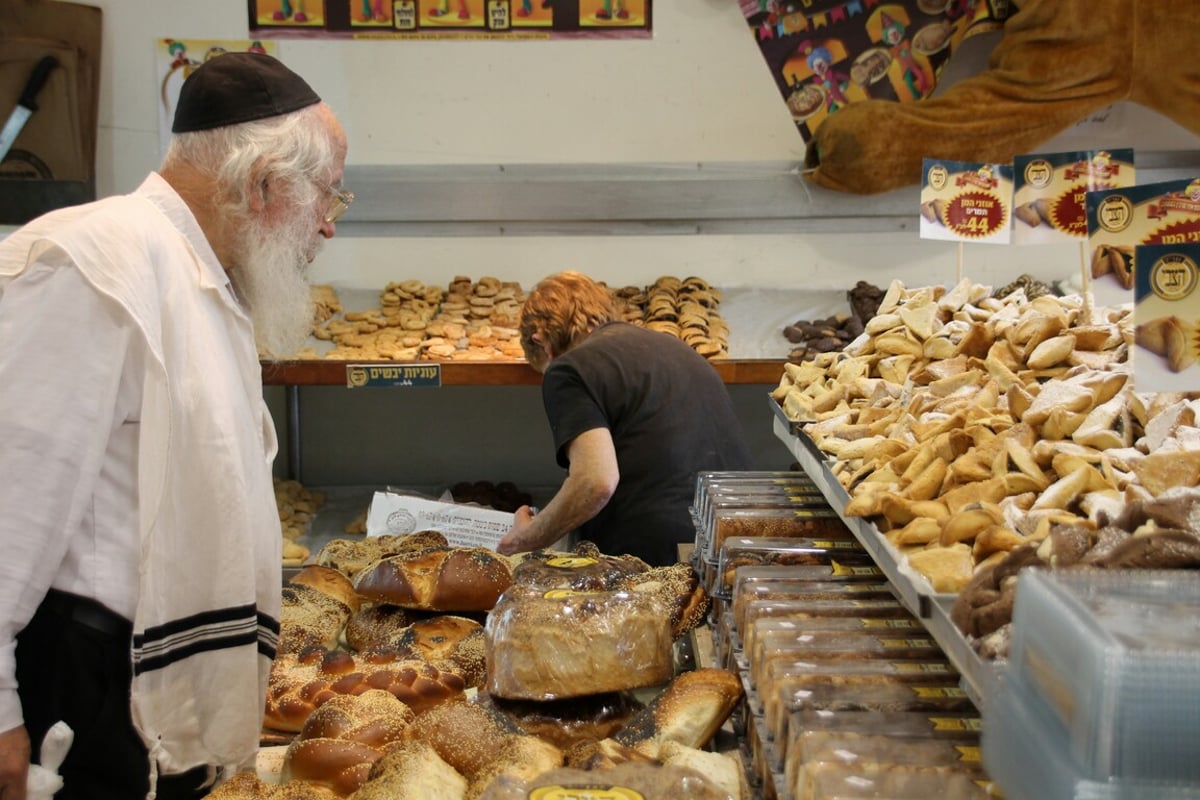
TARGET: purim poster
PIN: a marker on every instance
(966, 202)
(1050, 191)
(825, 54)
(1166, 311)
(451, 19)
(1166, 212)
(175, 59)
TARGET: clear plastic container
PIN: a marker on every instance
(786, 685)
(722, 630)
(883, 696)
(906, 725)
(832, 780)
(563, 643)
(709, 482)
(760, 751)
(1114, 655)
(842, 555)
(851, 748)
(772, 644)
(897, 625)
(747, 579)
(781, 591)
(1027, 755)
(747, 576)
(791, 523)
(810, 609)
(761, 497)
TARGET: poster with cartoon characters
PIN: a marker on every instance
(175, 59)
(824, 54)
(439, 19)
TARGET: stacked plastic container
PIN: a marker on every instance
(1101, 697)
(846, 694)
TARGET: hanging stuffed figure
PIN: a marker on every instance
(1057, 62)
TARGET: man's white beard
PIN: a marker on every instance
(270, 278)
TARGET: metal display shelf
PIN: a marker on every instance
(978, 675)
(638, 199)
(814, 465)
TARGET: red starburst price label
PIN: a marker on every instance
(966, 202)
(975, 215)
(1184, 231)
(1050, 191)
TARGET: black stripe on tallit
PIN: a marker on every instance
(220, 629)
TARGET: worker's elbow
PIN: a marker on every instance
(601, 489)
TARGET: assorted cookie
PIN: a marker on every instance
(476, 320)
(686, 308)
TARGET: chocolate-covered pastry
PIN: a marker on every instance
(864, 300)
(1165, 549)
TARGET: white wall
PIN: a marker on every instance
(697, 91)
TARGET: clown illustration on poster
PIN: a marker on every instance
(289, 13)
(826, 54)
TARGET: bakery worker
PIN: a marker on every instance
(140, 588)
(634, 414)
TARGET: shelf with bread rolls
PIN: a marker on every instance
(932, 608)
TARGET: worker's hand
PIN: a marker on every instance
(515, 540)
(14, 763)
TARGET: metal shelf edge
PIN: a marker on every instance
(978, 676)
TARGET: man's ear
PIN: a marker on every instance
(258, 186)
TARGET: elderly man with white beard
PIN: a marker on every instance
(140, 583)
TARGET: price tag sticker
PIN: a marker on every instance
(966, 202)
(363, 376)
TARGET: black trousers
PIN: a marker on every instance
(73, 665)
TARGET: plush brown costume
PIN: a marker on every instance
(1057, 62)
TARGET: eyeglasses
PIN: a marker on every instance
(342, 200)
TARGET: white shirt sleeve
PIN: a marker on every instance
(63, 350)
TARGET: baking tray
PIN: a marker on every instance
(793, 427)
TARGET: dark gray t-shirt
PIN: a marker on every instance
(670, 416)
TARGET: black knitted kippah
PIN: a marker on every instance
(239, 87)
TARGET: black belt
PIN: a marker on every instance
(89, 613)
